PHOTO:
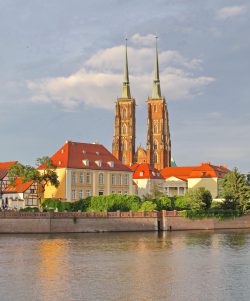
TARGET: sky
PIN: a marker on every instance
(61, 71)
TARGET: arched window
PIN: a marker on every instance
(124, 113)
(155, 157)
(155, 145)
(124, 129)
(101, 179)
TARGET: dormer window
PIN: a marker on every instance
(98, 163)
(98, 153)
(85, 162)
(153, 173)
(141, 173)
(62, 151)
(84, 152)
(111, 164)
(203, 173)
(60, 162)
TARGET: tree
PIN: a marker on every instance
(199, 199)
(45, 176)
(235, 191)
(155, 192)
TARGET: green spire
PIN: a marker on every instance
(156, 85)
(125, 86)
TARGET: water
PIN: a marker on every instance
(178, 266)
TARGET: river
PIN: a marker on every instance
(176, 266)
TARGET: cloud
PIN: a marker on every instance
(230, 11)
(146, 40)
(100, 80)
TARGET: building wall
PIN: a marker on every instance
(60, 192)
(146, 186)
(210, 184)
(71, 188)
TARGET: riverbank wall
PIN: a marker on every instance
(80, 222)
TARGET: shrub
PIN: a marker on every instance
(181, 203)
(55, 204)
(199, 199)
(164, 203)
(30, 209)
(148, 206)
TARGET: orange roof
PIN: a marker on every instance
(145, 171)
(76, 155)
(19, 187)
(6, 165)
(204, 170)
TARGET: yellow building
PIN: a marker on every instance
(86, 169)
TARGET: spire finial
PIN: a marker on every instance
(125, 86)
(156, 85)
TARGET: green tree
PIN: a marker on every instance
(46, 175)
(199, 199)
(164, 203)
(181, 203)
(235, 191)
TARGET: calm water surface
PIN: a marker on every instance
(178, 266)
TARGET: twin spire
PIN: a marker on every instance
(156, 84)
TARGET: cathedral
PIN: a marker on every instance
(158, 148)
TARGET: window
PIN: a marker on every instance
(80, 194)
(125, 192)
(155, 158)
(124, 129)
(81, 178)
(119, 192)
(88, 194)
(101, 179)
(101, 192)
(155, 145)
(124, 159)
(126, 179)
(119, 180)
(124, 145)
(124, 113)
(141, 173)
(73, 194)
(73, 178)
(88, 179)
(155, 128)
(155, 108)
(113, 180)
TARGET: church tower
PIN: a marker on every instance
(158, 134)
(123, 147)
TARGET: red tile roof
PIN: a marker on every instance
(145, 171)
(204, 170)
(75, 154)
(6, 165)
(20, 187)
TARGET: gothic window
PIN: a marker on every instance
(124, 129)
(155, 127)
(155, 145)
(124, 159)
(155, 108)
(155, 157)
(124, 113)
(124, 145)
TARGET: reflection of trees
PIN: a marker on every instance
(236, 240)
(199, 238)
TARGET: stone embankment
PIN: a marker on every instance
(80, 222)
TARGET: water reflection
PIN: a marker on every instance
(203, 265)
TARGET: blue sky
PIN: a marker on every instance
(61, 72)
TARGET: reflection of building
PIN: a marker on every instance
(86, 169)
(158, 149)
(179, 179)
(21, 194)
